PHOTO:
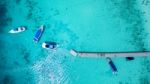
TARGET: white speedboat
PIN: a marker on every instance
(49, 45)
(17, 30)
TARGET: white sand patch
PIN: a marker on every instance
(51, 69)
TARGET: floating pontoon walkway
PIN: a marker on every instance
(109, 54)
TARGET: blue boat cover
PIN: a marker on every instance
(37, 35)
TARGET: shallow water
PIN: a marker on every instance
(84, 25)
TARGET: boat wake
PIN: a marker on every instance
(52, 69)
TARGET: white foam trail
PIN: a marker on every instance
(52, 70)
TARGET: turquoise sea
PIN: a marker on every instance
(83, 25)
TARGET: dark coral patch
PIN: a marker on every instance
(133, 17)
(144, 80)
(16, 63)
(26, 57)
(30, 4)
(4, 19)
(8, 80)
(3, 11)
(25, 54)
(18, 1)
(146, 64)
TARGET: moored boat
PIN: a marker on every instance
(112, 65)
(49, 45)
(17, 30)
(38, 34)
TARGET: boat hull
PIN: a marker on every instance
(38, 34)
(17, 30)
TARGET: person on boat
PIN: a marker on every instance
(16, 29)
(22, 28)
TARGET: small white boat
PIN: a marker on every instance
(17, 30)
(49, 45)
